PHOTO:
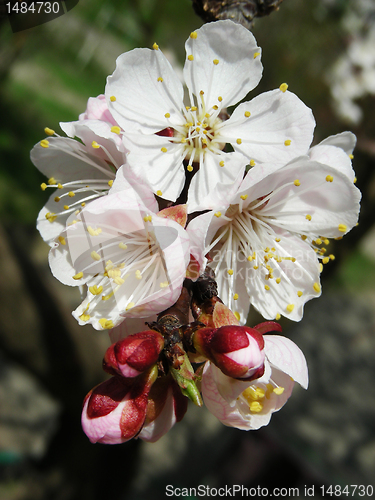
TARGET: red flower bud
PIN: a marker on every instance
(133, 355)
(236, 350)
(115, 411)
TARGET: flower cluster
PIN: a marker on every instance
(167, 209)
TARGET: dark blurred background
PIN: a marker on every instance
(325, 51)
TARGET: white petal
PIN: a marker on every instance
(237, 71)
(334, 157)
(213, 184)
(142, 99)
(296, 279)
(345, 140)
(162, 171)
(287, 357)
(330, 204)
(276, 117)
(127, 179)
(68, 160)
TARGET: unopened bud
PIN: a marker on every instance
(237, 350)
(133, 355)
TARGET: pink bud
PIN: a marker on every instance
(115, 411)
(236, 350)
(133, 355)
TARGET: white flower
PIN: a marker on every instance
(132, 260)
(250, 406)
(145, 96)
(266, 240)
(80, 172)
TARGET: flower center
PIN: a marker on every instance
(255, 395)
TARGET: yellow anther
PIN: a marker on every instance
(255, 267)
(71, 194)
(297, 182)
(129, 306)
(299, 293)
(84, 317)
(49, 131)
(95, 255)
(342, 228)
(235, 296)
(44, 143)
(219, 98)
(329, 178)
(116, 129)
(51, 217)
(277, 317)
(59, 186)
(237, 315)
(252, 163)
(247, 114)
(217, 214)
(290, 308)
(147, 218)
(138, 274)
(163, 150)
(95, 145)
(283, 87)
(123, 246)
(112, 98)
(316, 287)
(187, 108)
(308, 217)
(164, 284)
(62, 240)
(193, 35)
(278, 390)
(351, 156)
(230, 272)
(109, 296)
(155, 46)
(78, 276)
(189, 168)
(355, 180)
(277, 241)
(167, 115)
(332, 257)
(159, 193)
(256, 54)
(320, 267)
(325, 260)
(93, 232)
(267, 287)
(221, 163)
(118, 280)
(110, 183)
(51, 181)
(216, 61)
(160, 79)
(106, 324)
(243, 196)
(215, 107)
(66, 207)
(204, 141)
(318, 241)
(83, 204)
(239, 141)
(288, 142)
(43, 186)
(250, 258)
(253, 394)
(95, 290)
(191, 57)
(256, 407)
